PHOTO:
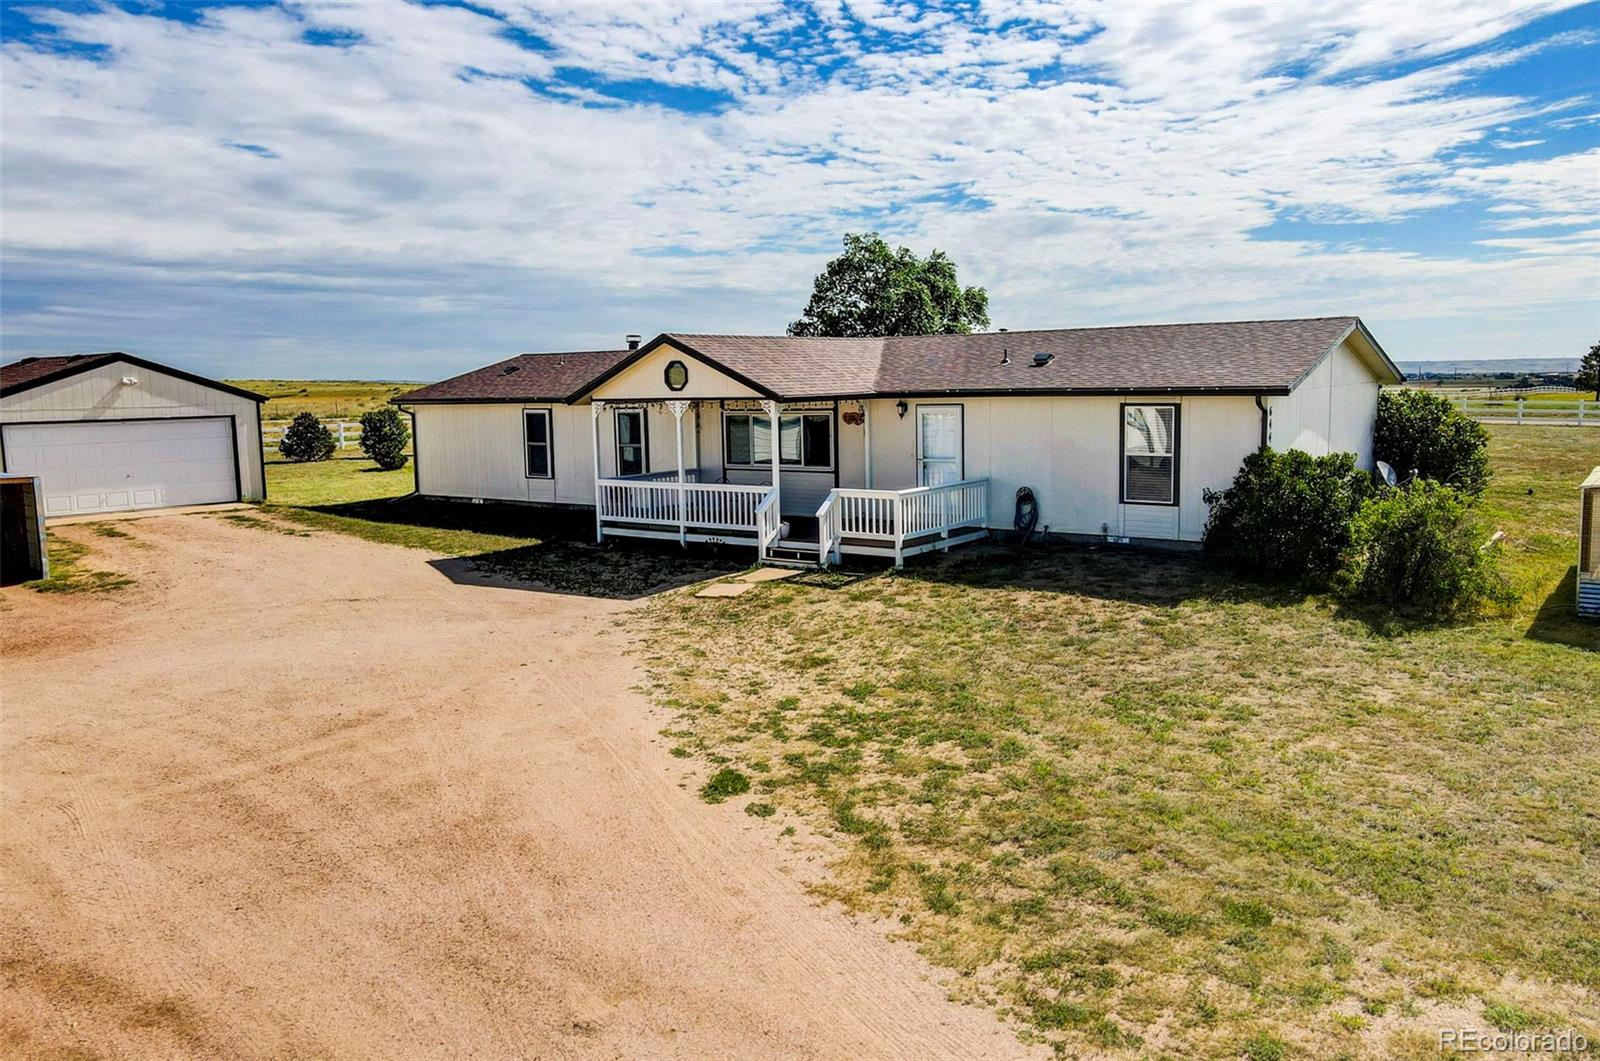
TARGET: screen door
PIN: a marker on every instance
(938, 444)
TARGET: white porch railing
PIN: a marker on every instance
(690, 475)
(705, 506)
(769, 521)
(898, 516)
(828, 530)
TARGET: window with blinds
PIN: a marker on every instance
(1150, 454)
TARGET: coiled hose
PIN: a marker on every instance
(1027, 515)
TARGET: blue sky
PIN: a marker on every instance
(404, 190)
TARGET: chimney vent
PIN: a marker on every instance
(633, 341)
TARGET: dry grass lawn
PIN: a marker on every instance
(1145, 809)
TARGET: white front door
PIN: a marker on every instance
(938, 444)
(105, 466)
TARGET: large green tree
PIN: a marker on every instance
(871, 289)
(1589, 371)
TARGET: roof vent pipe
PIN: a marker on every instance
(633, 341)
(1005, 354)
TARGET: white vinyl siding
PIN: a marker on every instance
(1333, 410)
(1068, 450)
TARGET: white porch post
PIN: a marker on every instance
(866, 422)
(678, 408)
(771, 409)
(599, 525)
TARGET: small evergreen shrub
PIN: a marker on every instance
(1419, 550)
(383, 438)
(1423, 433)
(306, 440)
(1287, 515)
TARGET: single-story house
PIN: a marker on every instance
(111, 432)
(892, 446)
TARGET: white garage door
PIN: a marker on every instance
(111, 466)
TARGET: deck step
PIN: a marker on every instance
(786, 556)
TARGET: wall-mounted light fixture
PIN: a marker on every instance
(901, 407)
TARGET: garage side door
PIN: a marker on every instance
(112, 466)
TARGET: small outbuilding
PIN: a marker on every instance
(1589, 545)
(113, 432)
(23, 555)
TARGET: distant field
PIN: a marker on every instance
(327, 398)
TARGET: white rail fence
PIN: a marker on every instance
(346, 433)
(1520, 411)
(896, 517)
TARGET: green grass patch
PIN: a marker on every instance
(71, 573)
(331, 482)
(1103, 785)
(724, 784)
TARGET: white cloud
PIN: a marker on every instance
(1088, 163)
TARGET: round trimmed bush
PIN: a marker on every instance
(306, 439)
(1287, 515)
(384, 437)
(1420, 550)
(1423, 433)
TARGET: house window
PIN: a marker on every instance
(805, 440)
(631, 458)
(536, 443)
(1150, 454)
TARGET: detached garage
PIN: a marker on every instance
(113, 432)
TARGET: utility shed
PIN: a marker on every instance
(22, 549)
(112, 432)
(1589, 546)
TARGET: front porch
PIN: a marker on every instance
(696, 503)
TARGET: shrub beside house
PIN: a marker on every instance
(1418, 548)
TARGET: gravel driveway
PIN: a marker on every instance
(306, 796)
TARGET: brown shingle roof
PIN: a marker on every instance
(1239, 357)
(524, 378)
(36, 371)
(1230, 357)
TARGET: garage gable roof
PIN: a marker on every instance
(31, 372)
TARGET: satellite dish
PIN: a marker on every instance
(1387, 473)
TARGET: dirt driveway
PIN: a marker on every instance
(306, 796)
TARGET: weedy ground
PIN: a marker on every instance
(1148, 809)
